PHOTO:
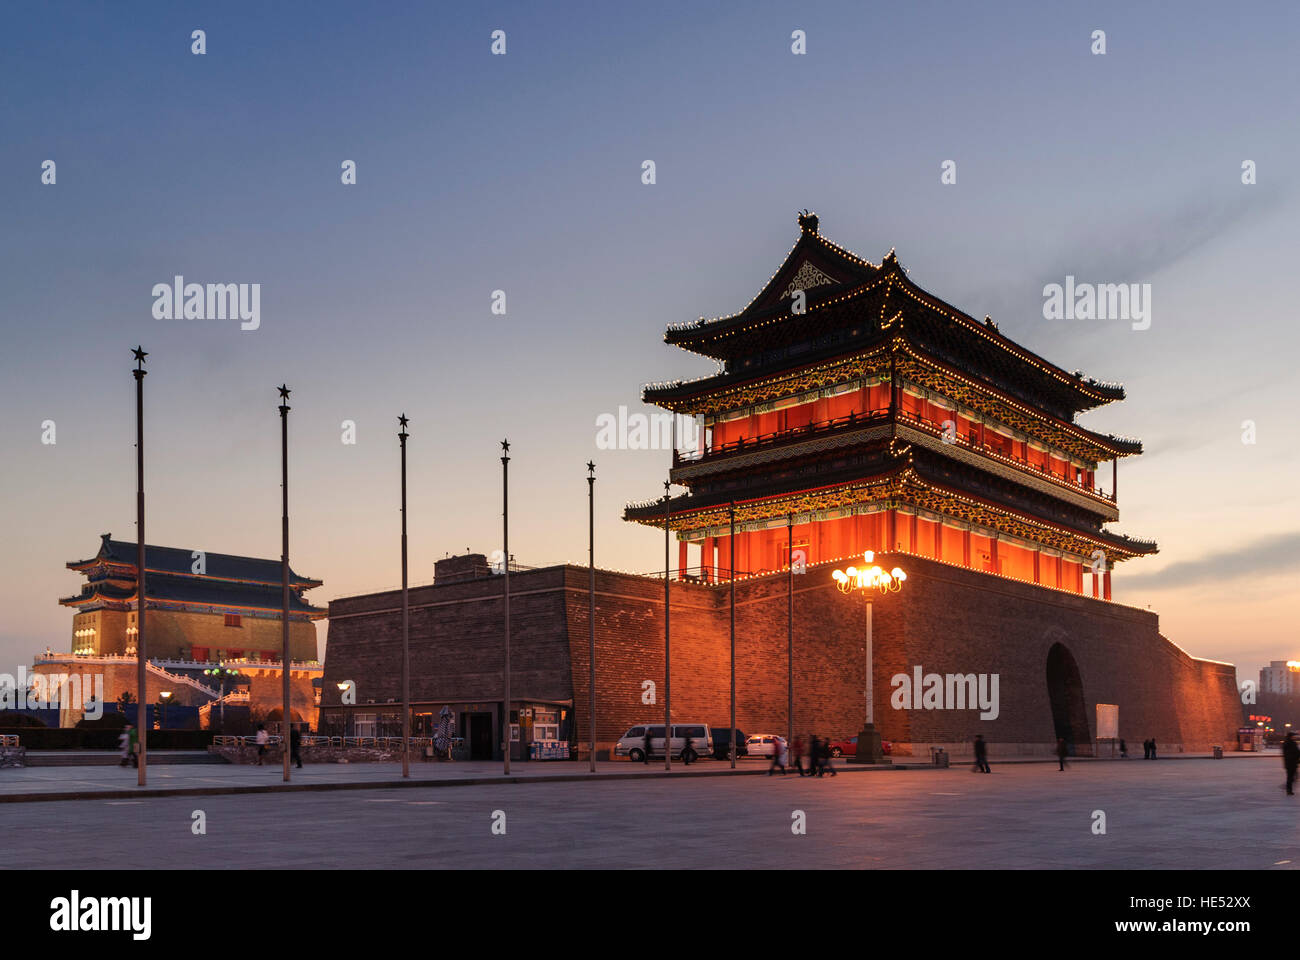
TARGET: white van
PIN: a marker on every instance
(632, 743)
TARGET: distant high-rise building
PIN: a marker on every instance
(1278, 677)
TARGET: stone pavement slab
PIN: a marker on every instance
(1175, 815)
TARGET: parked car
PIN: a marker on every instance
(722, 743)
(848, 747)
(632, 743)
(763, 744)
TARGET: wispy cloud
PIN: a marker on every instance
(1161, 237)
(1151, 240)
(1275, 554)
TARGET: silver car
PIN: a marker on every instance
(633, 743)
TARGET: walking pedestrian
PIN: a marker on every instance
(688, 754)
(262, 738)
(1153, 748)
(981, 754)
(798, 755)
(1123, 749)
(124, 741)
(295, 744)
(646, 757)
(824, 764)
(778, 756)
(133, 745)
(1290, 760)
(1061, 751)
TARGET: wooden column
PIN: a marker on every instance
(1106, 584)
(965, 546)
(1037, 554)
(681, 558)
(707, 560)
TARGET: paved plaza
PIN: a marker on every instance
(1179, 814)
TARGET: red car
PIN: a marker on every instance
(848, 747)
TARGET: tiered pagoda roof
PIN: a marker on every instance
(852, 307)
(229, 582)
(864, 320)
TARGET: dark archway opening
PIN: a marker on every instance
(1069, 710)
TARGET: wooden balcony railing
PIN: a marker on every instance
(854, 421)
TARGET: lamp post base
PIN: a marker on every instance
(869, 749)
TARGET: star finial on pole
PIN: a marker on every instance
(505, 446)
(591, 468)
(401, 419)
(284, 392)
(139, 354)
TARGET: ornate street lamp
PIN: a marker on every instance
(222, 672)
(868, 580)
(164, 698)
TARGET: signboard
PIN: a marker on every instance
(1107, 721)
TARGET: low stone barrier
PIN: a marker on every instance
(13, 756)
(235, 753)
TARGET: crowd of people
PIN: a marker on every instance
(816, 751)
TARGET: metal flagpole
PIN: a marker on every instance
(732, 573)
(406, 619)
(789, 637)
(668, 729)
(591, 615)
(505, 546)
(285, 732)
(141, 662)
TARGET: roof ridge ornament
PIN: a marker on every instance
(808, 222)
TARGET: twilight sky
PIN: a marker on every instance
(522, 173)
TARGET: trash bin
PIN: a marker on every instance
(1218, 753)
(940, 758)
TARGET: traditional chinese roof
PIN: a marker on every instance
(194, 594)
(120, 556)
(897, 475)
(851, 305)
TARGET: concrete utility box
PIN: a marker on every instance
(940, 757)
(1218, 753)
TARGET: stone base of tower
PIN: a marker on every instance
(1042, 659)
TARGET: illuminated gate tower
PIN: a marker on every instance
(880, 418)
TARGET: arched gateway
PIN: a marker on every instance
(1069, 710)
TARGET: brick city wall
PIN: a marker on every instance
(947, 620)
(456, 642)
(172, 633)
